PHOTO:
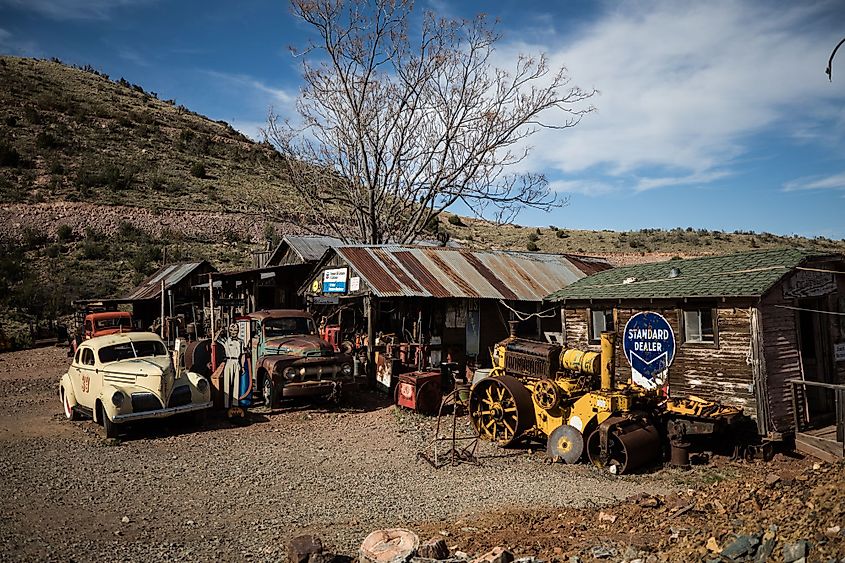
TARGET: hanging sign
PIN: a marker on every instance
(354, 283)
(649, 346)
(334, 280)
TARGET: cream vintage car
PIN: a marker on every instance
(127, 377)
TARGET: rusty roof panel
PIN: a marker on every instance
(414, 271)
(171, 274)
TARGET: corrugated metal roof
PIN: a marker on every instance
(745, 274)
(309, 248)
(413, 271)
(172, 274)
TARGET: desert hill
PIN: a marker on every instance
(101, 181)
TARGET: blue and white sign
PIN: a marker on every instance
(649, 345)
(334, 280)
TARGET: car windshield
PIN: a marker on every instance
(122, 323)
(287, 326)
(128, 350)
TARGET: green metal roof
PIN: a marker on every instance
(747, 274)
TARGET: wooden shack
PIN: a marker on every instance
(744, 326)
(456, 301)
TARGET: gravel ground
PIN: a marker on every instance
(169, 491)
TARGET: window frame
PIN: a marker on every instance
(593, 338)
(714, 319)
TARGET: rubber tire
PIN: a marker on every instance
(268, 392)
(110, 428)
(70, 414)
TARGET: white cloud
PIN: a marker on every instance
(582, 187)
(685, 87)
(271, 95)
(834, 182)
(72, 9)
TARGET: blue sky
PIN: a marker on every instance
(714, 115)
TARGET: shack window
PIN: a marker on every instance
(699, 326)
(601, 320)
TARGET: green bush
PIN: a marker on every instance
(533, 237)
(11, 120)
(561, 234)
(45, 140)
(33, 238)
(54, 250)
(532, 246)
(93, 250)
(198, 170)
(64, 232)
(456, 220)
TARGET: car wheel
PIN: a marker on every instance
(268, 391)
(109, 426)
(70, 414)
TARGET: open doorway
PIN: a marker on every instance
(816, 360)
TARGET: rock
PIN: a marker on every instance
(713, 545)
(125, 519)
(496, 555)
(300, 548)
(324, 557)
(606, 517)
(435, 548)
(630, 553)
(601, 552)
(461, 555)
(772, 478)
(741, 546)
(574, 559)
(833, 531)
(767, 547)
(795, 551)
(389, 545)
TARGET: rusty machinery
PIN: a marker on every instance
(569, 398)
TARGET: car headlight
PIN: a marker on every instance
(346, 369)
(117, 399)
(289, 373)
(202, 385)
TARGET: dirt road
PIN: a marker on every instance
(229, 493)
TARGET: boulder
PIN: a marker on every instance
(300, 548)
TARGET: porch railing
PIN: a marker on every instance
(801, 410)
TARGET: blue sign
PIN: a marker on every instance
(334, 281)
(649, 346)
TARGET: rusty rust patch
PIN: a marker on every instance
(378, 278)
(488, 275)
(396, 270)
(422, 275)
(468, 290)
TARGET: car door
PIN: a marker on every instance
(89, 377)
(75, 374)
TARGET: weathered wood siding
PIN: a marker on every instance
(720, 373)
(781, 356)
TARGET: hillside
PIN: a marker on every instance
(101, 181)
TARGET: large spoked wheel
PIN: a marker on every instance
(500, 409)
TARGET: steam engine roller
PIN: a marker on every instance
(566, 397)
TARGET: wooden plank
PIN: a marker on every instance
(827, 450)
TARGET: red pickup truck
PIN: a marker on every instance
(102, 324)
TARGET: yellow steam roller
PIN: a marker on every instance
(566, 397)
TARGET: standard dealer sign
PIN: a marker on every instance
(649, 345)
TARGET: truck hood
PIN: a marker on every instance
(302, 345)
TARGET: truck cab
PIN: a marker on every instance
(289, 358)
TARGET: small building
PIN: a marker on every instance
(181, 298)
(743, 326)
(456, 302)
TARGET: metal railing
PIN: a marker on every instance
(801, 410)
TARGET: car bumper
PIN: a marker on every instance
(161, 413)
(310, 388)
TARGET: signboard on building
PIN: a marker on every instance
(334, 280)
(649, 346)
(354, 283)
(806, 283)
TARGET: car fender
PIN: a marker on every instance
(192, 379)
(106, 394)
(66, 385)
(275, 364)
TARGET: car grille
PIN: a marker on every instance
(143, 402)
(180, 396)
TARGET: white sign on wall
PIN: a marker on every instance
(839, 352)
(354, 283)
(334, 280)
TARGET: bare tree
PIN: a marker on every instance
(395, 130)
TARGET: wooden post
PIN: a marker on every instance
(162, 308)
(211, 328)
(371, 340)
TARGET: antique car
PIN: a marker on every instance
(101, 324)
(126, 377)
(289, 359)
